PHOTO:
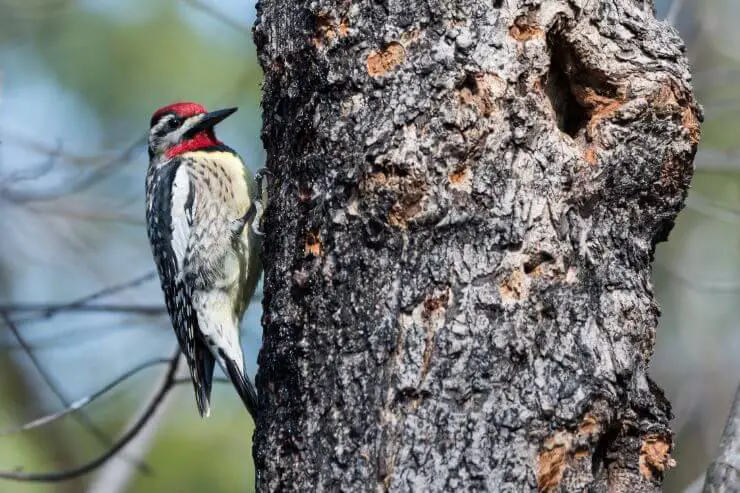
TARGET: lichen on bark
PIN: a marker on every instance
(464, 206)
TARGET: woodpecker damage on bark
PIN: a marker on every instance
(465, 202)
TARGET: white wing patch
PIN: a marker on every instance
(181, 216)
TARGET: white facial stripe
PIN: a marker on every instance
(190, 122)
(162, 138)
(161, 123)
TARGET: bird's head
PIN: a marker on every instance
(183, 127)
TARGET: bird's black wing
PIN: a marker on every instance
(169, 218)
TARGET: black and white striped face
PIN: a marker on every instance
(183, 127)
(169, 130)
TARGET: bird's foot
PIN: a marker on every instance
(259, 204)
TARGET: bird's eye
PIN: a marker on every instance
(174, 122)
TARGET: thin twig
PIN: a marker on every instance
(50, 309)
(30, 174)
(82, 418)
(81, 403)
(72, 335)
(217, 15)
(75, 186)
(51, 477)
(90, 214)
(703, 205)
(717, 160)
(89, 399)
(182, 380)
(696, 485)
(674, 11)
(13, 137)
(133, 283)
(116, 474)
(698, 284)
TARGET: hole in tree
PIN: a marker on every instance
(469, 83)
(536, 260)
(570, 115)
(600, 455)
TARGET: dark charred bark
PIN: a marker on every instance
(465, 202)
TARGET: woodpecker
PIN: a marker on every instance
(200, 202)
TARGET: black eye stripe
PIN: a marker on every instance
(158, 118)
(174, 120)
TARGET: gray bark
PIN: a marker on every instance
(724, 472)
(464, 206)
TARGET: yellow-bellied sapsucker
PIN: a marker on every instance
(200, 202)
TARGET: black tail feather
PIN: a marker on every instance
(243, 386)
(203, 365)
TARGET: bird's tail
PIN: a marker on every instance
(243, 386)
(201, 372)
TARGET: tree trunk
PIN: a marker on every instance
(464, 206)
(724, 472)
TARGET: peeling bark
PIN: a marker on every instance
(465, 203)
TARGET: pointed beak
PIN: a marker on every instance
(210, 119)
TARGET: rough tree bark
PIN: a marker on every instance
(465, 203)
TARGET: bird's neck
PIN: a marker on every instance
(199, 141)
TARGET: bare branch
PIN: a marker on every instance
(81, 403)
(50, 309)
(701, 285)
(114, 289)
(674, 11)
(696, 485)
(86, 215)
(12, 137)
(74, 334)
(82, 418)
(116, 475)
(86, 181)
(724, 473)
(51, 477)
(29, 173)
(699, 203)
(182, 380)
(718, 160)
(217, 15)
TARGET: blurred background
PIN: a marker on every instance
(78, 82)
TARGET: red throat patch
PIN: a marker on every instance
(201, 140)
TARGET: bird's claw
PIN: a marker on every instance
(259, 177)
(260, 210)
